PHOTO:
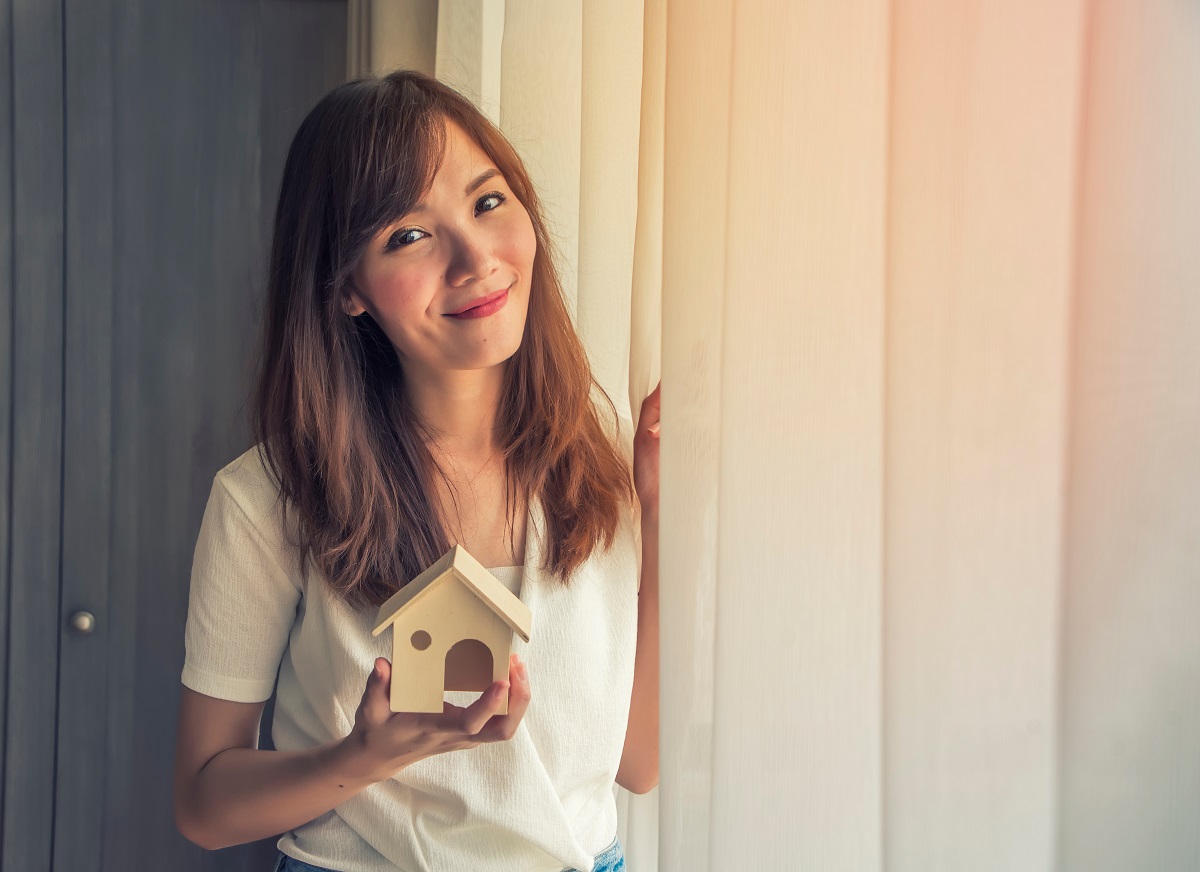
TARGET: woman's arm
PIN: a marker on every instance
(227, 792)
(638, 771)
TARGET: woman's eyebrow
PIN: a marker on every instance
(479, 180)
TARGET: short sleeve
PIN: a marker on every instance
(241, 603)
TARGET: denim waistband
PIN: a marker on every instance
(611, 859)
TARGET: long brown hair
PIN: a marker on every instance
(330, 411)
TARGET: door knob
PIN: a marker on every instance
(83, 622)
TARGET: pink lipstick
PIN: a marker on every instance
(488, 305)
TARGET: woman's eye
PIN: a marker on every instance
(488, 202)
(402, 238)
(405, 237)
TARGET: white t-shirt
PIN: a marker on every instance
(540, 801)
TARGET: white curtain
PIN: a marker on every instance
(931, 493)
(931, 361)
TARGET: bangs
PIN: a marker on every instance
(409, 162)
(402, 142)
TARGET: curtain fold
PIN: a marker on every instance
(773, 323)
(982, 175)
(391, 34)
(1129, 765)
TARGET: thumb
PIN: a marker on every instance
(376, 701)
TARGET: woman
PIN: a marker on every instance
(420, 384)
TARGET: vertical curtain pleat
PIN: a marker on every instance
(1130, 739)
(540, 109)
(773, 290)
(645, 316)
(985, 117)
(610, 114)
(696, 99)
(641, 323)
(384, 35)
(470, 37)
(358, 38)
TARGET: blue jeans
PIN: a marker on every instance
(611, 859)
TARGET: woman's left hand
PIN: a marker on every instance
(645, 455)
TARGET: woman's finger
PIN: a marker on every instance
(376, 704)
(477, 714)
(651, 413)
(653, 398)
(653, 402)
(503, 727)
(448, 721)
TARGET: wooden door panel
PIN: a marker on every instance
(34, 490)
(147, 142)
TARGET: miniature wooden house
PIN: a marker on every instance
(452, 629)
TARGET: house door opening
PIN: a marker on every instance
(468, 666)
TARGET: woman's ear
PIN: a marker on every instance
(351, 304)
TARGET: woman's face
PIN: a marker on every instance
(469, 241)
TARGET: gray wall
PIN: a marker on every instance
(143, 140)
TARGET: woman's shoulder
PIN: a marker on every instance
(248, 481)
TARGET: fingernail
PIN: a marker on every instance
(522, 671)
(653, 429)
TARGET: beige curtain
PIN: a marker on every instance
(385, 35)
(931, 494)
(930, 343)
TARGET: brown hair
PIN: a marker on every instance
(330, 410)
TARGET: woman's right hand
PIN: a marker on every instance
(383, 742)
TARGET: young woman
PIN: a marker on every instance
(420, 384)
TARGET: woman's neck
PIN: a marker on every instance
(460, 409)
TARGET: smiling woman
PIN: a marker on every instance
(421, 384)
(402, 205)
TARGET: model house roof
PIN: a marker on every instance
(457, 563)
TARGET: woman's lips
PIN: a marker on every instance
(485, 309)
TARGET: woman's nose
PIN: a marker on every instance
(473, 258)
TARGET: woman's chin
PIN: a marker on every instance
(490, 357)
